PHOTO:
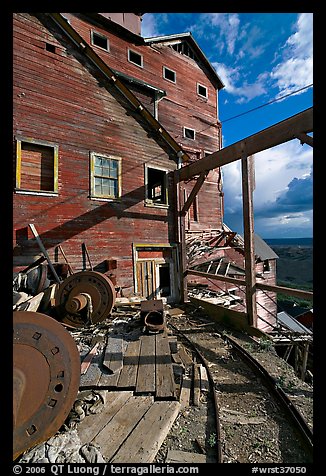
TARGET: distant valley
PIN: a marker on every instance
(295, 263)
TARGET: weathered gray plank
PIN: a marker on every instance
(185, 392)
(176, 456)
(111, 437)
(146, 368)
(93, 424)
(165, 386)
(144, 442)
(128, 375)
(113, 355)
(93, 374)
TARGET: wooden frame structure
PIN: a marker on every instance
(295, 127)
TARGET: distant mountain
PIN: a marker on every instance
(289, 241)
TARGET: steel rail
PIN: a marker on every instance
(212, 383)
(297, 418)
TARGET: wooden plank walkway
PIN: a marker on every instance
(143, 365)
(131, 428)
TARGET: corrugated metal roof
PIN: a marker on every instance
(292, 323)
(262, 249)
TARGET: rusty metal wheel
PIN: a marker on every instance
(46, 376)
(85, 298)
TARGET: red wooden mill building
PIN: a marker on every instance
(110, 131)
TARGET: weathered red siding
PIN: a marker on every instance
(57, 99)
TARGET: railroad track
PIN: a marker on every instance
(256, 421)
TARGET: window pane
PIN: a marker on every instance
(98, 161)
(114, 168)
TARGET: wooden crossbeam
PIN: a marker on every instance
(305, 139)
(279, 133)
(193, 193)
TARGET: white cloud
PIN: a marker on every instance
(227, 33)
(282, 173)
(149, 26)
(245, 92)
(296, 69)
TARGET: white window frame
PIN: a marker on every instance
(101, 36)
(138, 54)
(189, 129)
(202, 86)
(165, 68)
(93, 194)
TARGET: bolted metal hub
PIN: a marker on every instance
(46, 376)
(84, 298)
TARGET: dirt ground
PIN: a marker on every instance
(253, 426)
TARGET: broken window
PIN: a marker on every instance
(135, 58)
(156, 186)
(189, 133)
(202, 90)
(100, 40)
(36, 166)
(266, 266)
(169, 74)
(105, 176)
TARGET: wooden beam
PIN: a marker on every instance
(277, 134)
(288, 291)
(42, 248)
(193, 193)
(217, 277)
(305, 139)
(248, 232)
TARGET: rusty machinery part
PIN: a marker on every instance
(85, 298)
(152, 314)
(154, 321)
(46, 377)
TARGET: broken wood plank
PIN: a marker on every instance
(165, 386)
(176, 456)
(93, 374)
(146, 367)
(184, 356)
(31, 304)
(42, 248)
(111, 437)
(173, 342)
(204, 383)
(185, 392)
(128, 375)
(88, 359)
(144, 442)
(196, 394)
(113, 355)
(93, 424)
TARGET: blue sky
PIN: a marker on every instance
(260, 57)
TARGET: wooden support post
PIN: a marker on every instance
(182, 240)
(304, 360)
(248, 228)
(194, 191)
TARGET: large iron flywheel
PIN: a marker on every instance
(85, 298)
(46, 376)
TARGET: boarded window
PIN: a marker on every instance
(36, 166)
(105, 176)
(156, 186)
